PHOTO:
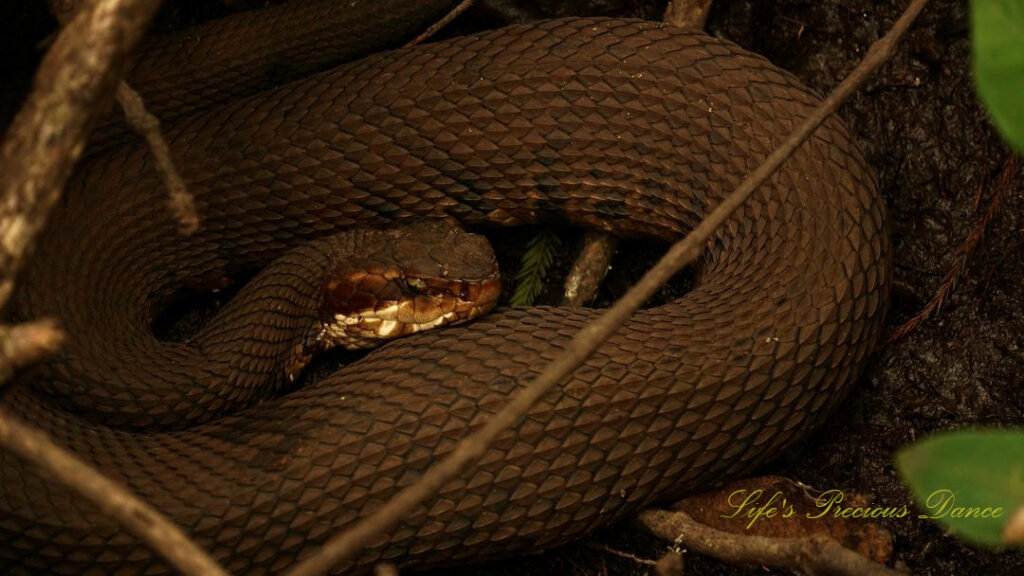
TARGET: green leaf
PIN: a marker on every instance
(533, 268)
(970, 482)
(997, 33)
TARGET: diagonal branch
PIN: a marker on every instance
(181, 203)
(444, 21)
(147, 125)
(963, 252)
(73, 83)
(346, 545)
(114, 500)
(75, 79)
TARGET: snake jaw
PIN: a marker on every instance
(463, 301)
(429, 275)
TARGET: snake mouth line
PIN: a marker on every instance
(395, 319)
(461, 301)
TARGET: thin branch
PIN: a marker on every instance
(46, 138)
(182, 204)
(810, 555)
(621, 554)
(446, 20)
(346, 545)
(147, 125)
(114, 500)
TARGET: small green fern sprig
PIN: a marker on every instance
(533, 268)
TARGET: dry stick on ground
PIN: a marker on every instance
(74, 81)
(810, 555)
(582, 346)
(621, 554)
(138, 517)
(436, 26)
(1010, 168)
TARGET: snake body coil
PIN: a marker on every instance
(629, 127)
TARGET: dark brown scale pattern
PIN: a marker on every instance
(625, 126)
(222, 60)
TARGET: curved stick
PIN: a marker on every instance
(810, 555)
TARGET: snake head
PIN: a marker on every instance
(398, 282)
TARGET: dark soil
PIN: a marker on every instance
(921, 127)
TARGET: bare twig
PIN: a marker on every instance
(692, 13)
(589, 269)
(47, 136)
(622, 554)
(446, 20)
(587, 340)
(74, 80)
(181, 202)
(148, 126)
(23, 344)
(113, 499)
(810, 555)
(963, 252)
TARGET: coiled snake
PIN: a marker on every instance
(625, 126)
